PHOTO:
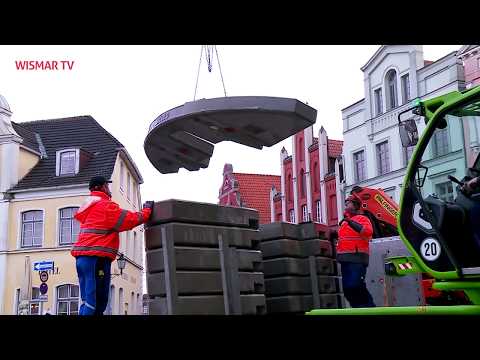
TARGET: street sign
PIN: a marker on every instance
(43, 265)
(43, 288)
(43, 298)
(43, 276)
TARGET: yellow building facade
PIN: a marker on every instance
(40, 190)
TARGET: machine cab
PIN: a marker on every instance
(440, 222)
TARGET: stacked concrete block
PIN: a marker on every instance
(202, 259)
(300, 270)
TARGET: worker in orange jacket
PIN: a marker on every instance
(101, 220)
(354, 235)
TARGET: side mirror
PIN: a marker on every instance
(421, 176)
(408, 133)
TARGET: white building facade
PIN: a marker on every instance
(373, 155)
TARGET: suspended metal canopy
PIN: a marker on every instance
(184, 137)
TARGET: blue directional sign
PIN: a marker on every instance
(43, 265)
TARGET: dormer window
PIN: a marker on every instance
(68, 162)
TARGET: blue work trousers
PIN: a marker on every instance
(94, 278)
(354, 286)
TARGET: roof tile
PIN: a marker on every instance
(334, 148)
(255, 192)
(82, 132)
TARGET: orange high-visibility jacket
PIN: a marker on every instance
(350, 241)
(101, 220)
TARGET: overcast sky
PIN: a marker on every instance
(126, 87)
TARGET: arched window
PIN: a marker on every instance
(302, 183)
(301, 150)
(289, 188)
(120, 301)
(391, 87)
(132, 303)
(67, 299)
(315, 177)
(68, 226)
(111, 300)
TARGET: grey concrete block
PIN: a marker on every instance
(296, 285)
(284, 230)
(194, 258)
(295, 248)
(199, 235)
(278, 230)
(252, 304)
(202, 213)
(294, 266)
(207, 282)
(302, 303)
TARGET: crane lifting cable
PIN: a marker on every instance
(209, 49)
(184, 137)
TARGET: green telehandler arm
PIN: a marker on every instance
(437, 222)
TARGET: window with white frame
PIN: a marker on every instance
(391, 89)
(135, 249)
(111, 300)
(67, 162)
(331, 165)
(359, 166)
(122, 175)
(132, 303)
(440, 142)
(383, 158)
(304, 213)
(378, 101)
(69, 227)
(318, 206)
(134, 193)
(34, 306)
(120, 301)
(128, 244)
(445, 191)
(405, 88)
(390, 193)
(32, 228)
(407, 154)
(67, 299)
(128, 185)
(292, 215)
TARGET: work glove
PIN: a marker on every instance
(148, 205)
(354, 225)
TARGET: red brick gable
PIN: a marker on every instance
(255, 192)
(334, 148)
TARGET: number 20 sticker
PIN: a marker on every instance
(430, 249)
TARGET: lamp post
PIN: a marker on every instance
(121, 262)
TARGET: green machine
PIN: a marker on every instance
(438, 221)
